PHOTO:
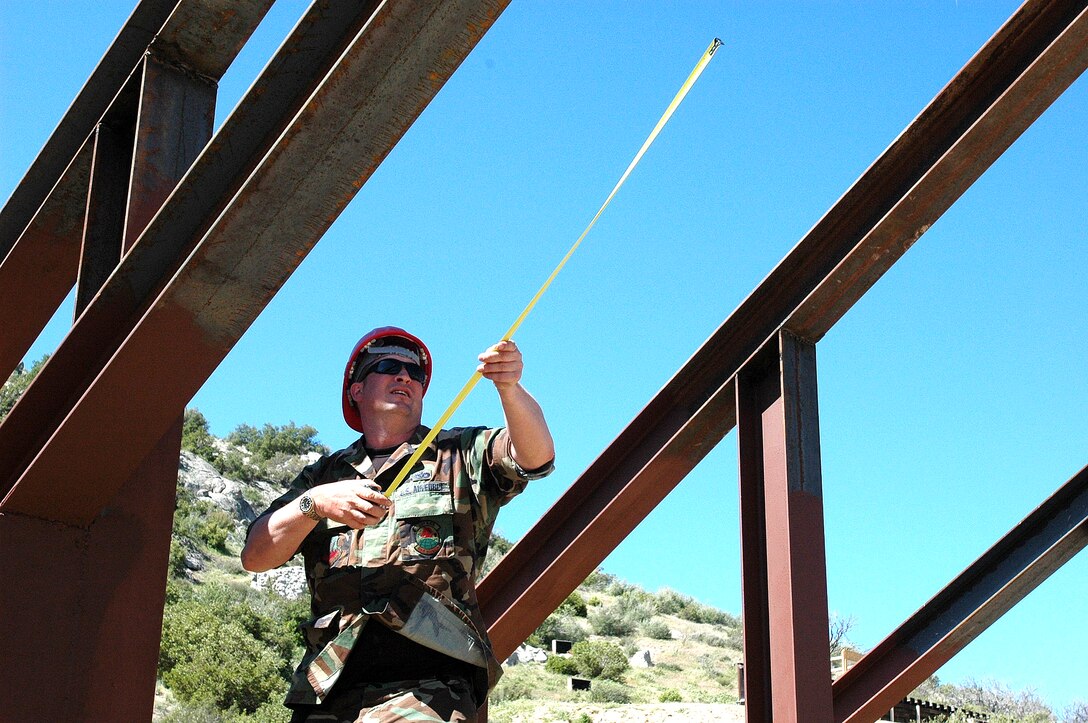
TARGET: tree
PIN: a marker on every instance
(17, 383)
(839, 628)
(196, 438)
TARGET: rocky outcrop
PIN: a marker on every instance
(242, 501)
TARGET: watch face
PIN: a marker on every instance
(306, 504)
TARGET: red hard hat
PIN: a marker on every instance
(351, 414)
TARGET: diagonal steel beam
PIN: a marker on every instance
(1017, 564)
(247, 136)
(40, 226)
(1017, 74)
(90, 104)
(382, 82)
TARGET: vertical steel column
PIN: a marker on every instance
(110, 576)
(105, 219)
(784, 580)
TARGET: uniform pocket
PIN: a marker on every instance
(425, 525)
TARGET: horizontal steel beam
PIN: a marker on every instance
(383, 81)
(1017, 564)
(1028, 63)
(39, 241)
(175, 230)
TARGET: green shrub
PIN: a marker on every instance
(234, 465)
(670, 602)
(606, 691)
(599, 659)
(598, 581)
(575, 605)
(621, 618)
(557, 626)
(672, 695)
(561, 665)
(657, 629)
(715, 641)
(227, 647)
(270, 440)
(512, 688)
(176, 566)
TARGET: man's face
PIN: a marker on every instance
(389, 394)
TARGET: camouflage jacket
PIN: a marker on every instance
(416, 571)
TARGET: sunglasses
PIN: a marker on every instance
(392, 367)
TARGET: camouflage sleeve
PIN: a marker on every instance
(493, 465)
(306, 479)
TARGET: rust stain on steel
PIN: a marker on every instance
(206, 35)
(40, 269)
(1014, 566)
(782, 534)
(174, 124)
(980, 89)
(242, 260)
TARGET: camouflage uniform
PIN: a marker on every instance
(414, 572)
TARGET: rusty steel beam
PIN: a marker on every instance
(1027, 64)
(78, 122)
(784, 572)
(41, 225)
(1018, 563)
(383, 81)
(216, 176)
(147, 139)
(105, 222)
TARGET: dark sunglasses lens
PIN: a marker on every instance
(393, 366)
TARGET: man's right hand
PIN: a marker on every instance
(357, 503)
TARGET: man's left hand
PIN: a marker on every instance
(502, 364)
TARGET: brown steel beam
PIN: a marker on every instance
(1018, 563)
(105, 220)
(39, 271)
(104, 664)
(251, 131)
(1028, 63)
(41, 225)
(386, 77)
(78, 122)
(784, 575)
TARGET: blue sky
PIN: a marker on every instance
(951, 396)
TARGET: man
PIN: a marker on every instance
(397, 632)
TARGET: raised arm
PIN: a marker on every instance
(529, 435)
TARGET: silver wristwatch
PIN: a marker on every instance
(306, 506)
